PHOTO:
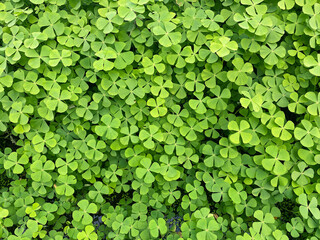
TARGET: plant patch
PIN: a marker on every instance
(159, 119)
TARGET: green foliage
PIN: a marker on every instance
(167, 119)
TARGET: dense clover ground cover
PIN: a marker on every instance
(159, 119)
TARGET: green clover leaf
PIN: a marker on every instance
(83, 214)
(109, 128)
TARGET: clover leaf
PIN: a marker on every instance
(275, 161)
(158, 109)
(16, 163)
(309, 61)
(103, 63)
(88, 233)
(314, 108)
(208, 227)
(64, 187)
(168, 36)
(306, 207)
(295, 227)
(264, 220)
(40, 170)
(151, 65)
(306, 133)
(157, 227)
(282, 129)
(272, 53)
(100, 189)
(108, 129)
(239, 75)
(85, 209)
(242, 130)
(146, 169)
(222, 46)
